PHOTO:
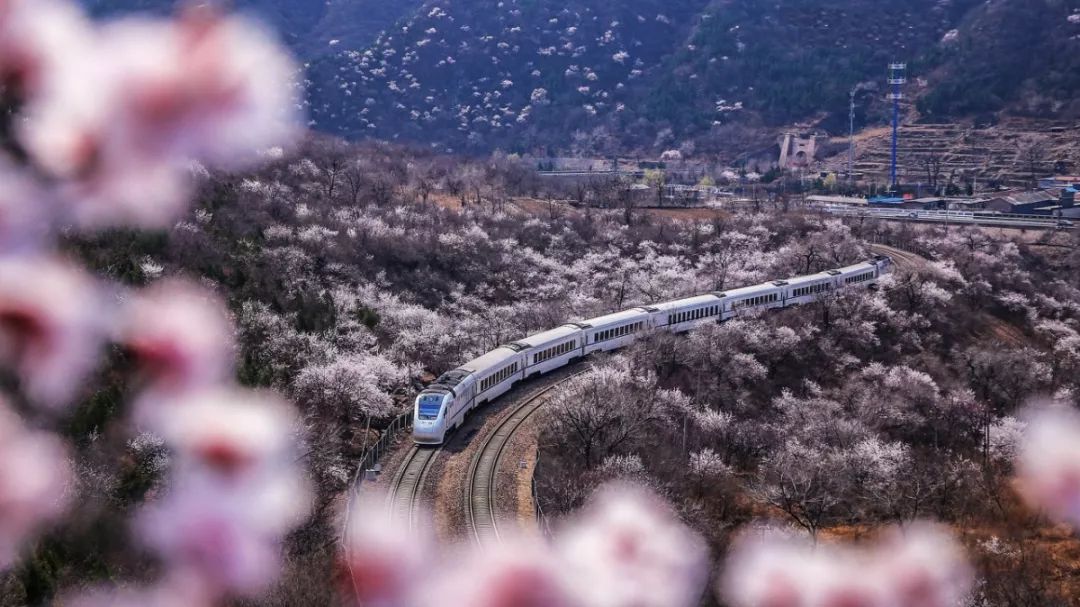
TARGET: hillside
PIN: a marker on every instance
(308, 27)
(600, 77)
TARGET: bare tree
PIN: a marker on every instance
(1033, 158)
(602, 411)
(932, 163)
(799, 481)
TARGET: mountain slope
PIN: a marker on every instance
(599, 77)
(486, 72)
(1024, 54)
(308, 26)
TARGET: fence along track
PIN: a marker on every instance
(404, 498)
(480, 518)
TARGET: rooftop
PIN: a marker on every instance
(1029, 197)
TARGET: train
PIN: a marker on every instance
(444, 404)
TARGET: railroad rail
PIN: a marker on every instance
(900, 257)
(480, 516)
(406, 491)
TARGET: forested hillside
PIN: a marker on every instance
(597, 77)
(352, 273)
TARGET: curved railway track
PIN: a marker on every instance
(406, 491)
(901, 257)
(480, 515)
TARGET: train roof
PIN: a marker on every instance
(859, 267)
(678, 304)
(491, 359)
(809, 278)
(448, 381)
(748, 291)
(542, 339)
(613, 319)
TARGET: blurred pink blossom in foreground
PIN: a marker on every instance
(113, 119)
(1048, 465)
(920, 565)
(52, 326)
(34, 474)
(382, 555)
(116, 113)
(26, 212)
(39, 39)
(234, 493)
(626, 548)
(181, 339)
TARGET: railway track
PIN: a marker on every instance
(901, 257)
(406, 491)
(480, 512)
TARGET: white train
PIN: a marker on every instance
(444, 404)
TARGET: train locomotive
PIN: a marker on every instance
(445, 403)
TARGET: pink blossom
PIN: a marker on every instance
(629, 549)
(52, 324)
(39, 38)
(119, 124)
(181, 338)
(34, 475)
(204, 86)
(517, 572)
(235, 492)
(226, 538)
(26, 211)
(924, 567)
(918, 566)
(231, 433)
(1048, 466)
(384, 556)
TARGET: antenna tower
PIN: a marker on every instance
(897, 79)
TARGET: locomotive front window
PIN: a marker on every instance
(429, 407)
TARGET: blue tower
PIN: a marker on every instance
(897, 79)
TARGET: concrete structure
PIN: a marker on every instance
(797, 152)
